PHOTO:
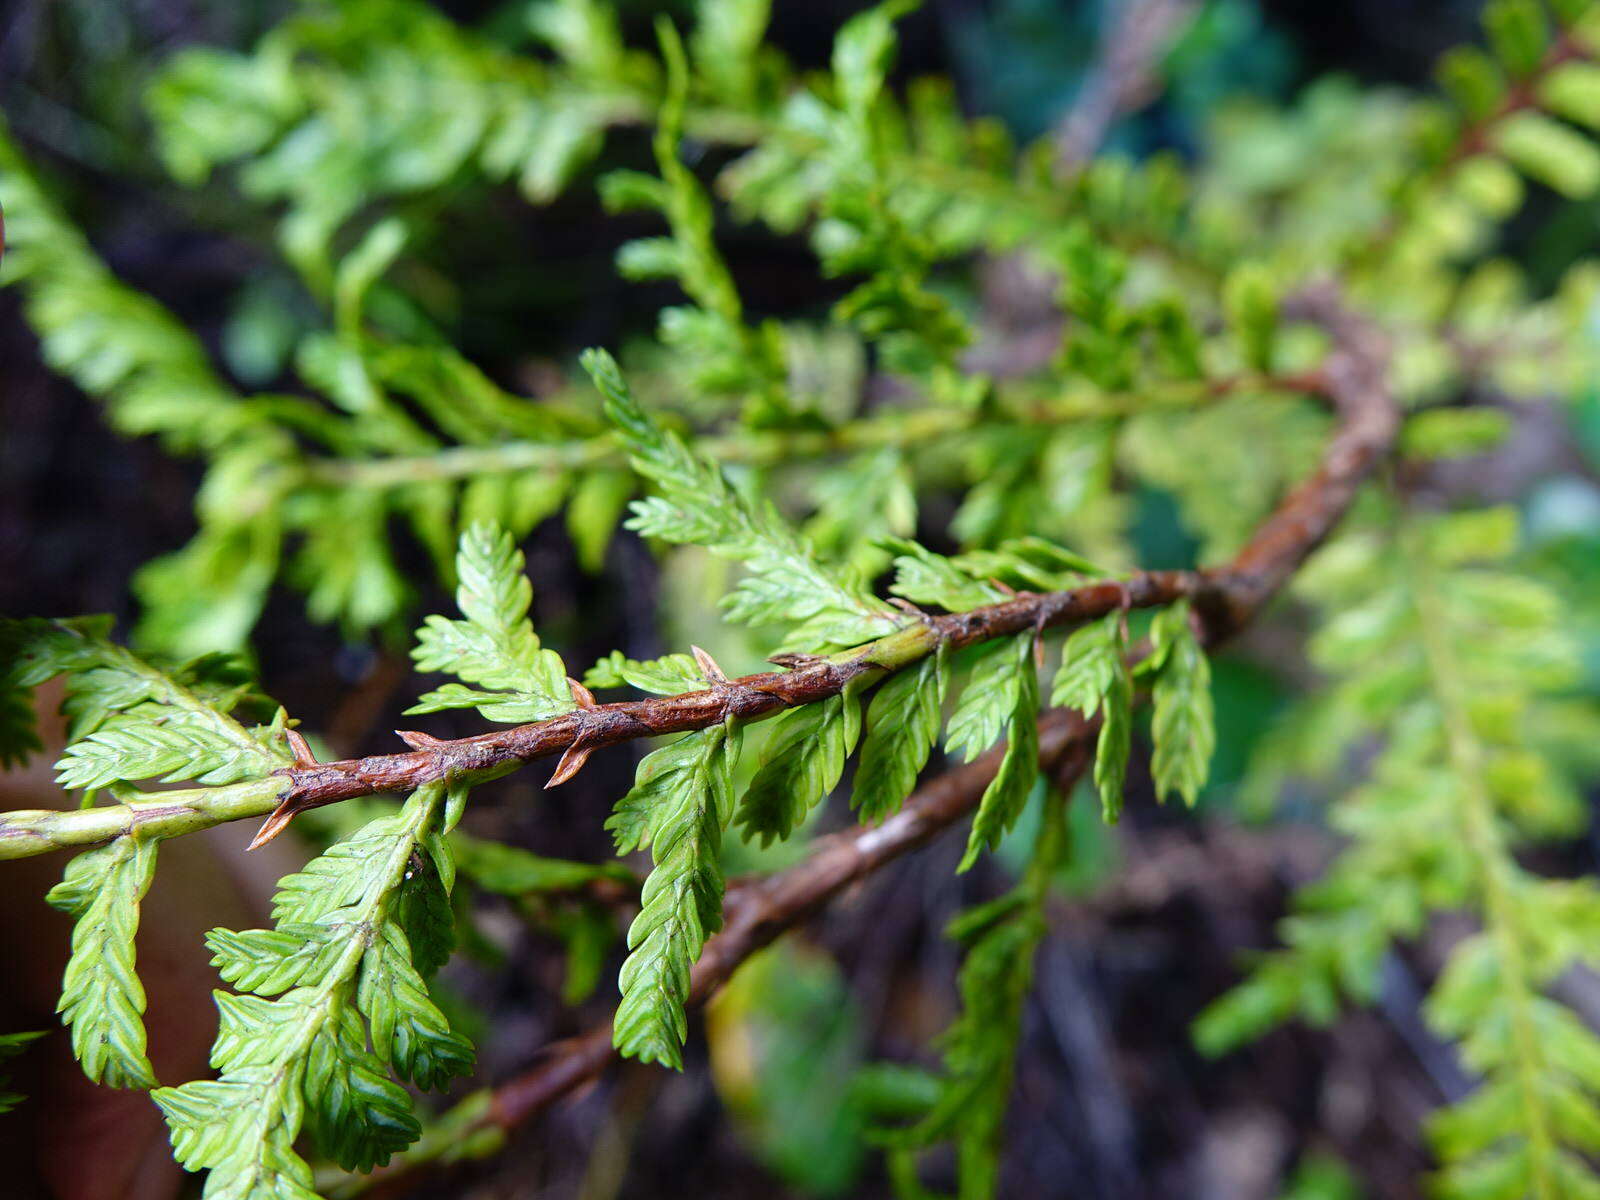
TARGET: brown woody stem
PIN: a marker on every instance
(759, 911)
(1352, 379)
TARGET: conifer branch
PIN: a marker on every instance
(757, 912)
(758, 447)
(1475, 137)
(1225, 597)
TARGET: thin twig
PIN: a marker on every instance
(1122, 79)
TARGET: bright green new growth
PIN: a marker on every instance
(902, 725)
(785, 584)
(679, 807)
(1001, 694)
(1463, 664)
(494, 644)
(102, 999)
(127, 721)
(665, 676)
(1094, 677)
(1183, 725)
(355, 936)
(800, 764)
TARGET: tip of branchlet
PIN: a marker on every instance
(416, 739)
(708, 666)
(571, 763)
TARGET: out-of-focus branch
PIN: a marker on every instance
(1122, 79)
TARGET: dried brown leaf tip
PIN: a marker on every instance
(708, 667)
(417, 740)
(300, 749)
(275, 824)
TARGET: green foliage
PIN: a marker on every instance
(494, 645)
(967, 1103)
(101, 996)
(11, 1045)
(800, 764)
(346, 961)
(127, 721)
(695, 504)
(722, 354)
(902, 725)
(512, 871)
(811, 453)
(665, 676)
(1013, 699)
(782, 1034)
(1183, 724)
(19, 738)
(1457, 661)
(679, 806)
(1094, 678)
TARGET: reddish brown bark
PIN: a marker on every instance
(1225, 596)
(759, 911)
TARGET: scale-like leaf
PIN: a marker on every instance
(352, 1011)
(1112, 747)
(494, 643)
(1094, 678)
(695, 504)
(665, 676)
(1008, 792)
(991, 694)
(1183, 722)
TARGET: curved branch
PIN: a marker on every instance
(759, 911)
(775, 447)
(1352, 379)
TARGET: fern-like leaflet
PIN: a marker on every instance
(678, 807)
(966, 1103)
(343, 969)
(1455, 661)
(127, 721)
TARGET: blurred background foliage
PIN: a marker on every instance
(1111, 1098)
